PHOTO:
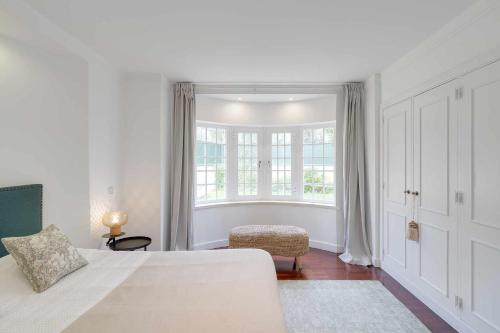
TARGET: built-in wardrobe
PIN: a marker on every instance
(441, 169)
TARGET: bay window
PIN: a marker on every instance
(210, 164)
(263, 163)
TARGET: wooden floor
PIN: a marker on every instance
(323, 265)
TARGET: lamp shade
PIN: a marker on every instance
(114, 220)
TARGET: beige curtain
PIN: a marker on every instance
(356, 248)
(182, 177)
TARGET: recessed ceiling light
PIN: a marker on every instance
(240, 99)
(290, 99)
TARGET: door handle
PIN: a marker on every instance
(407, 192)
(415, 193)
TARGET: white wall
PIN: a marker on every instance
(320, 109)
(44, 136)
(51, 74)
(103, 145)
(212, 225)
(466, 42)
(141, 151)
(372, 142)
(325, 226)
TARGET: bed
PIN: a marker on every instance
(197, 291)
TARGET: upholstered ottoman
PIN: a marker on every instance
(279, 240)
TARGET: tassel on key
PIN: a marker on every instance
(412, 232)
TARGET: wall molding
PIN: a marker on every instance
(457, 72)
(459, 25)
(320, 245)
(446, 315)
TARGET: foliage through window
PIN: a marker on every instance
(281, 163)
(319, 164)
(210, 164)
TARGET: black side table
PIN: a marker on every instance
(112, 238)
(130, 243)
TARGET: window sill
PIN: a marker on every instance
(265, 202)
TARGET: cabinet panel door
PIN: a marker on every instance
(397, 179)
(479, 125)
(435, 173)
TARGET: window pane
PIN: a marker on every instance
(307, 136)
(318, 135)
(200, 192)
(247, 164)
(200, 178)
(221, 136)
(308, 150)
(319, 164)
(212, 135)
(329, 135)
(281, 164)
(210, 164)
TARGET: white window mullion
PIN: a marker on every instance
(231, 165)
(297, 172)
(265, 170)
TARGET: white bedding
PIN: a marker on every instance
(23, 310)
(71, 300)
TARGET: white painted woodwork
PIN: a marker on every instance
(397, 179)
(480, 219)
(445, 144)
(435, 175)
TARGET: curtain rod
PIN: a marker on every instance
(268, 88)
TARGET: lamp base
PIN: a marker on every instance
(115, 231)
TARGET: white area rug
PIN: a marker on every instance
(323, 306)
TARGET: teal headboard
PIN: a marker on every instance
(20, 211)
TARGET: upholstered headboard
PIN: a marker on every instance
(20, 211)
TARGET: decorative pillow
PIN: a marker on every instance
(44, 257)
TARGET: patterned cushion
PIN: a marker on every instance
(44, 257)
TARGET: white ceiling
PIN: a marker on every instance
(252, 41)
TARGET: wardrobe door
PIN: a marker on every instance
(435, 175)
(480, 181)
(397, 180)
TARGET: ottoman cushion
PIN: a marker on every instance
(281, 240)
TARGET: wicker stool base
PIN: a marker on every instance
(279, 240)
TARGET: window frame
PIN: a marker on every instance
(205, 202)
(264, 155)
(313, 127)
(235, 130)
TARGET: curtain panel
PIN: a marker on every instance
(356, 246)
(183, 165)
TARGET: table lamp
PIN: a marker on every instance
(115, 220)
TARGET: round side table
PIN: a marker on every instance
(130, 243)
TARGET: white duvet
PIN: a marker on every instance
(23, 310)
(208, 291)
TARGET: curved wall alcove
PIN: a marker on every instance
(213, 222)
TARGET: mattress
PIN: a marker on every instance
(197, 291)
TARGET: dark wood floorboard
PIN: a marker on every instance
(323, 265)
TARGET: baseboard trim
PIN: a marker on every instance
(326, 246)
(446, 315)
(211, 245)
